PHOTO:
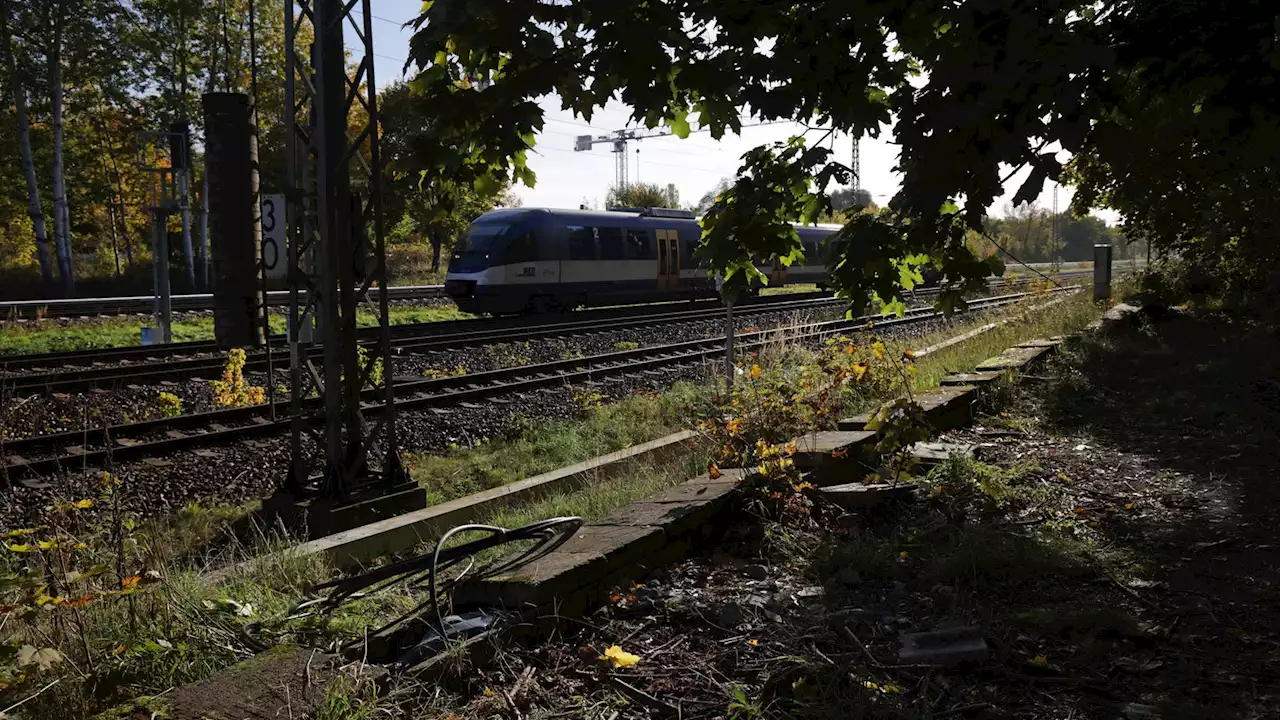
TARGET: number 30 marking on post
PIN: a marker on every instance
(275, 258)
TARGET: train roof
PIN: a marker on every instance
(588, 216)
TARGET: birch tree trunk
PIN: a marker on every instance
(61, 215)
(28, 162)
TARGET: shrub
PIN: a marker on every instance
(169, 405)
(233, 390)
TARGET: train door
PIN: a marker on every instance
(668, 260)
(778, 277)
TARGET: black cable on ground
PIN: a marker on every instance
(411, 573)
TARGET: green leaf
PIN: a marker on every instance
(679, 123)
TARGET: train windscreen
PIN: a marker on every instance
(482, 237)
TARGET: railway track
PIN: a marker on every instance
(145, 304)
(27, 459)
(431, 338)
(78, 370)
(68, 360)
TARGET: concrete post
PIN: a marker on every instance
(1101, 272)
(235, 241)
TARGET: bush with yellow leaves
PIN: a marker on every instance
(233, 390)
(753, 423)
(169, 405)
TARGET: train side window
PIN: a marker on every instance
(582, 243)
(522, 250)
(610, 243)
(639, 245)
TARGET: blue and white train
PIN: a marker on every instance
(537, 260)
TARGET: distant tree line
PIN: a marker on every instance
(81, 78)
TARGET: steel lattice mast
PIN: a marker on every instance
(336, 252)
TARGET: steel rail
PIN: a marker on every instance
(145, 304)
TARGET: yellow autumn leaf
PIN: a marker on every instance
(714, 472)
(877, 349)
(908, 355)
(756, 372)
(890, 689)
(859, 370)
(24, 548)
(618, 657)
(83, 504)
(1040, 660)
(753, 642)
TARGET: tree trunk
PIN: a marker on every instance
(436, 242)
(28, 162)
(61, 215)
(118, 200)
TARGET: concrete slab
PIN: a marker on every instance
(677, 519)
(702, 488)
(948, 407)
(571, 578)
(975, 379)
(857, 496)
(1040, 343)
(285, 681)
(856, 423)
(935, 453)
(815, 450)
(1013, 358)
(557, 575)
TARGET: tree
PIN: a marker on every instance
(642, 195)
(974, 89)
(24, 140)
(438, 210)
(845, 198)
(709, 199)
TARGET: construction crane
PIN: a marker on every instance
(619, 139)
(855, 164)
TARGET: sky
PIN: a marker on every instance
(695, 164)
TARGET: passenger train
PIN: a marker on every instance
(536, 260)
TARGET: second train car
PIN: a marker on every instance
(536, 260)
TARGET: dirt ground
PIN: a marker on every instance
(1113, 541)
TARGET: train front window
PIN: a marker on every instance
(483, 237)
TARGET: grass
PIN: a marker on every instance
(49, 336)
(531, 448)
(789, 289)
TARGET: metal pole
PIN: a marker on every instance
(730, 332)
(255, 192)
(160, 245)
